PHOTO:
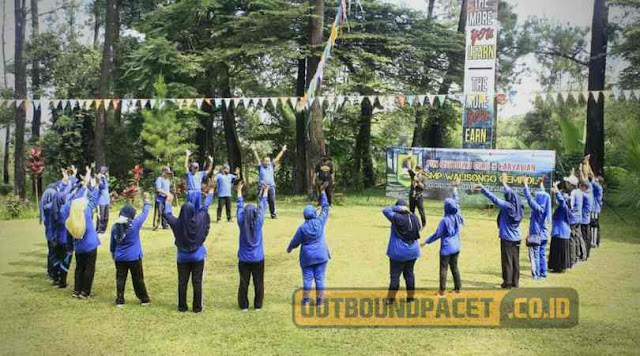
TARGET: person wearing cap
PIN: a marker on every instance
(266, 170)
(104, 201)
(314, 252)
(224, 181)
(163, 188)
(195, 177)
(403, 249)
(416, 193)
(576, 198)
(126, 251)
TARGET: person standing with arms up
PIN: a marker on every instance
(163, 189)
(540, 205)
(251, 248)
(195, 177)
(559, 253)
(418, 184)
(324, 174)
(266, 176)
(224, 181)
(104, 202)
(576, 243)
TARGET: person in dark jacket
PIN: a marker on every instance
(416, 193)
(190, 231)
(509, 218)
(314, 252)
(63, 244)
(449, 234)
(251, 248)
(403, 249)
(126, 251)
(559, 253)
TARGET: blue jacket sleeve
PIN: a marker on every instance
(207, 201)
(139, 220)
(495, 200)
(240, 211)
(532, 202)
(324, 215)
(94, 195)
(295, 241)
(436, 235)
(168, 215)
(388, 212)
(112, 245)
(262, 208)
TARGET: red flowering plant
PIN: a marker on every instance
(35, 166)
(133, 190)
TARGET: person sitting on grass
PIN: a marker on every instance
(449, 234)
(194, 179)
(509, 218)
(403, 248)
(190, 231)
(251, 248)
(126, 251)
(314, 252)
(537, 240)
(559, 253)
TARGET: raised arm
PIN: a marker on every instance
(388, 212)
(139, 220)
(262, 206)
(186, 160)
(210, 167)
(495, 200)
(295, 241)
(532, 202)
(255, 154)
(168, 211)
(277, 159)
(240, 204)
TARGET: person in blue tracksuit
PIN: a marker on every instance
(540, 205)
(190, 230)
(48, 196)
(587, 209)
(104, 201)
(576, 197)
(251, 248)
(224, 181)
(511, 212)
(598, 193)
(163, 188)
(449, 234)
(86, 248)
(126, 251)
(559, 252)
(195, 178)
(63, 244)
(314, 252)
(403, 248)
(266, 171)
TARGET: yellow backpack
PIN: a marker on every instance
(76, 223)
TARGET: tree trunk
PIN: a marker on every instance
(4, 56)
(417, 131)
(299, 175)
(431, 5)
(234, 154)
(35, 86)
(315, 144)
(363, 157)
(597, 71)
(106, 72)
(20, 94)
(96, 25)
(7, 146)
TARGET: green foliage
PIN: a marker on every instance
(63, 144)
(14, 206)
(629, 47)
(5, 189)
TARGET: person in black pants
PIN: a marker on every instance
(418, 185)
(324, 176)
(195, 270)
(85, 270)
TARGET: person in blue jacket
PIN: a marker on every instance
(48, 196)
(126, 251)
(251, 248)
(587, 208)
(559, 254)
(509, 218)
(86, 248)
(576, 243)
(190, 230)
(449, 234)
(224, 181)
(597, 209)
(63, 245)
(104, 201)
(195, 177)
(266, 171)
(314, 252)
(540, 205)
(403, 248)
(163, 188)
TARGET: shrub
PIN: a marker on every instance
(5, 189)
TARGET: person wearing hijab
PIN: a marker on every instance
(576, 243)
(195, 177)
(48, 196)
(403, 249)
(126, 251)
(250, 248)
(597, 209)
(314, 252)
(63, 245)
(104, 201)
(509, 218)
(224, 181)
(540, 205)
(559, 255)
(190, 230)
(449, 234)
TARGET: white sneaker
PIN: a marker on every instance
(145, 304)
(244, 310)
(119, 306)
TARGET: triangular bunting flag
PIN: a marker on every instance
(19, 103)
(116, 102)
(36, 104)
(208, 102)
(636, 93)
(564, 95)
(107, 103)
(179, 102)
(161, 103)
(227, 102)
(217, 103)
(144, 103)
(55, 103)
(188, 102)
(199, 103)
(73, 103)
(441, 99)
(294, 101)
(430, 99)
(421, 99)
(627, 94)
(133, 103)
(152, 103)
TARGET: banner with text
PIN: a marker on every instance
(479, 74)
(442, 166)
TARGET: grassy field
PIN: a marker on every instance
(38, 319)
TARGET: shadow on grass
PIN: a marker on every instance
(23, 275)
(27, 263)
(34, 254)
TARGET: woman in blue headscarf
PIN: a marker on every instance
(250, 248)
(559, 251)
(190, 231)
(314, 252)
(540, 205)
(509, 218)
(48, 196)
(449, 234)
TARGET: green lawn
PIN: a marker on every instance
(38, 319)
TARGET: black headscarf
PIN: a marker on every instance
(192, 228)
(249, 224)
(514, 209)
(56, 208)
(405, 223)
(127, 214)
